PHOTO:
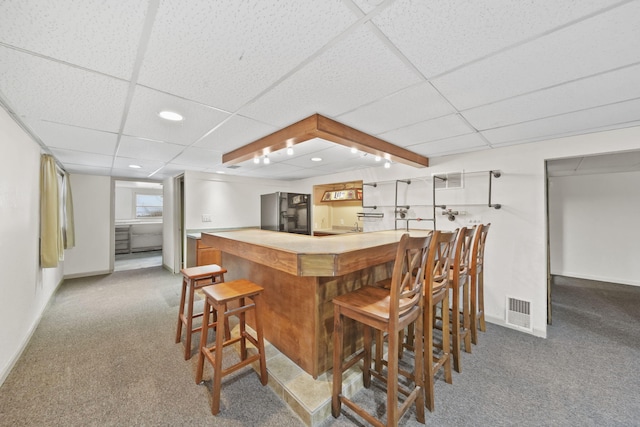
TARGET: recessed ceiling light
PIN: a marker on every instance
(316, 159)
(378, 158)
(221, 172)
(135, 166)
(354, 150)
(290, 151)
(171, 115)
(387, 165)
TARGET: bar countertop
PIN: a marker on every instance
(304, 255)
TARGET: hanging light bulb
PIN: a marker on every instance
(290, 151)
(266, 160)
(256, 160)
(387, 164)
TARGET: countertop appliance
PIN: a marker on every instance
(288, 212)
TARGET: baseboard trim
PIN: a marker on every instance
(501, 322)
(598, 278)
(93, 273)
(9, 367)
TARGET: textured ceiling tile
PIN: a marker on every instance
(42, 89)
(411, 105)
(143, 120)
(619, 85)
(73, 138)
(438, 36)
(137, 148)
(226, 52)
(234, 133)
(337, 81)
(595, 45)
(81, 158)
(198, 157)
(95, 34)
(581, 121)
(457, 144)
(430, 130)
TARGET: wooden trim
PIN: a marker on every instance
(317, 126)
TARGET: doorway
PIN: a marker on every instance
(138, 223)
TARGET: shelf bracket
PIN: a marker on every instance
(493, 174)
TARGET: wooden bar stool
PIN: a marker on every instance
(459, 283)
(194, 278)
(386, 312)
(218, 297)
(476, 273)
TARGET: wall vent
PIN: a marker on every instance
(449, 180)
(519, 313)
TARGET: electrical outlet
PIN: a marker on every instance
(206, 218)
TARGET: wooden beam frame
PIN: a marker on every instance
(317, 126)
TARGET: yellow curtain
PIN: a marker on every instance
(51, 245)
(69, 227)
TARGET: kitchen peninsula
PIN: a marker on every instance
(301, 275)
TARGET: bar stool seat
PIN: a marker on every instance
(244, 296)
(194, 278)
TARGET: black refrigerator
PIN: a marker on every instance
(288, 212)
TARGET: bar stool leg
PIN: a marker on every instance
(217, 365)
(337, 362)
(187, 348)
(257, 300)
(243, 332)
(203, 344)
(181, 313)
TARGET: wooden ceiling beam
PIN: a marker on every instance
(317, 126)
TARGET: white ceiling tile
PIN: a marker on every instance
(87, 170)
(335, 82)
(143, 120)
(367, 5)
(598, 44)
(198, 157)
(147, 165)
(430, 130)
(567, 124)
(47, 90)
(619, 85)
(411, 105)
(136, 148)
(456, 144)
(55, 135)
(88, 33)
(81, 158)
(439, 36)
(236, 132)
(224, 53)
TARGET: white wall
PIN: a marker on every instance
(592, 224)
(92, 212)
(230, 201)
(170, 223)
(516, 254)
(25, 288)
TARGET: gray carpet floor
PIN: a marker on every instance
(104, 354)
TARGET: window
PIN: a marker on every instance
(148, 205)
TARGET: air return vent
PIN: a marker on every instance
(519, 313)
(448, 180)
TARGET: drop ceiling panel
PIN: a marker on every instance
(337, 81)
(234, 133)
(430, 130)
(143, 120)
(80, 158)
(596, 45)
(438, 37)
(136, 148)
(55, 135)
(607, 88)
(408, 106)
(456, 144)
(80, 32)
(147, 166)
(224, 53)
(198, 157)
(87, 170)
(581, 121)
(41, 89)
